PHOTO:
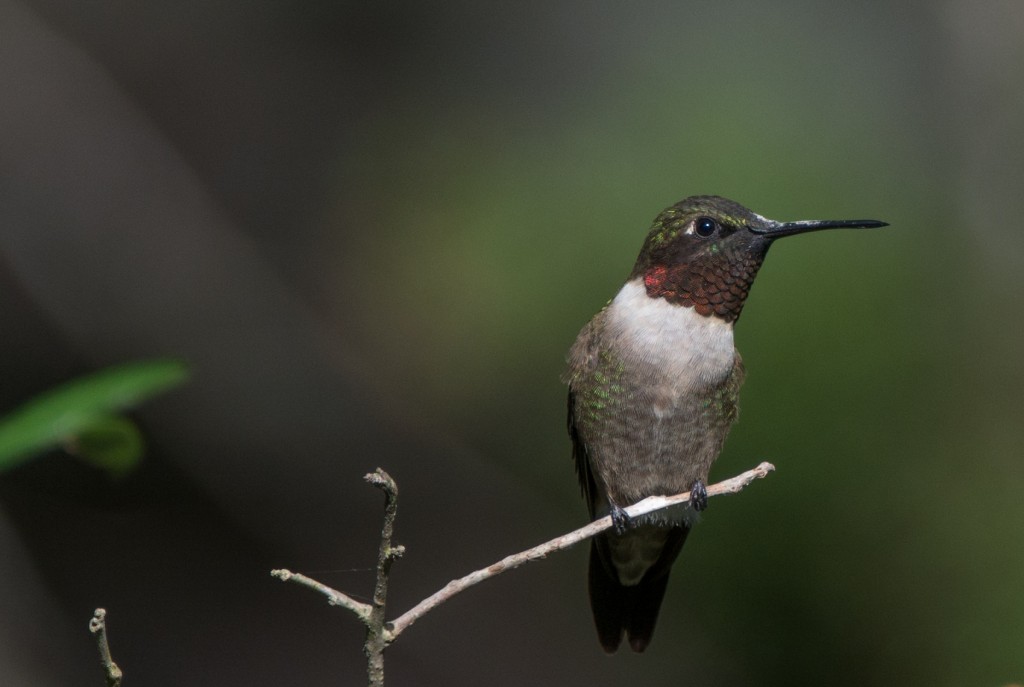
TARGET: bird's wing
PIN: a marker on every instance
(584, 470)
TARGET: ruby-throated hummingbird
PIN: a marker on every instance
(653, 385)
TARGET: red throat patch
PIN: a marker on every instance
(709, 291)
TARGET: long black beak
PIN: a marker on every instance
(775, 230)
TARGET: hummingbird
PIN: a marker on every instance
(654, 380)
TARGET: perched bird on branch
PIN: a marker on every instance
(653, 385)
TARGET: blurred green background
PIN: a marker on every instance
(374, 229)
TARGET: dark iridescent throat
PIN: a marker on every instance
(712, 285)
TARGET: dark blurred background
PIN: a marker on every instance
(374, 229)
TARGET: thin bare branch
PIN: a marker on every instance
(376, 634)
(648, 505)
(379, 634)
(334, 597)
(98, 626)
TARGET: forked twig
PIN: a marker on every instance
(380, 634)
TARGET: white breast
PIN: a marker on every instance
(689, 348)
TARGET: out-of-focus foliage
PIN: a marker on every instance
(82, 416)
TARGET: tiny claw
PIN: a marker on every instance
(699, 496)
(620, 520)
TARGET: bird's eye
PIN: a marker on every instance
(705, 226)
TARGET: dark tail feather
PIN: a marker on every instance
(646, 601)
(632, 611)
(607, 601)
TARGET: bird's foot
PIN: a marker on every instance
(620, 520)
(699, 496)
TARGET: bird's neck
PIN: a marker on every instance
(713, 288)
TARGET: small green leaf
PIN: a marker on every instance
(58, 416)
(113, 444)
